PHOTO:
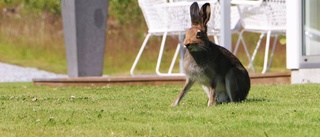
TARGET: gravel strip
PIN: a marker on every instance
(13, 73)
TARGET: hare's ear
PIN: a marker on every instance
(205, 14)
(194, 13)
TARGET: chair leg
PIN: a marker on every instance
(240, 39)
(174, 59)
(216, 40)
(182, 52)
(161, 53)
(256, 50)
(248, 54)
(160, 57)
(139, 54)
(237, 44)
(272, 52)
(266, 54)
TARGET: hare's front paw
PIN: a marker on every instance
(211, 101)
(175, 103)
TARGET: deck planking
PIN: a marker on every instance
(256, 79)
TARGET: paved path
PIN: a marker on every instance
(13, 73)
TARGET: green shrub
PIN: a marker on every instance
(125, 10)
(34, 6)
(122, 10)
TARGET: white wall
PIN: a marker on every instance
(294, 33)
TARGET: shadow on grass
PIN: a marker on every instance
(249, 100)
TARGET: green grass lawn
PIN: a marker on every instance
(274, 110)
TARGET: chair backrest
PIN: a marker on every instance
(269, 15)
(162, 16)
(214, 24)
(176, 17)
(154, 21)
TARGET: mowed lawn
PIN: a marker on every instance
(273, 110)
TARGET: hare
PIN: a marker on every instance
(220, 73)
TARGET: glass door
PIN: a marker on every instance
(311, 33)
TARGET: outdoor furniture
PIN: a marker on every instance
(154, 12)
(164, 18)
(235, 25)
(173, 18)
(267, 17)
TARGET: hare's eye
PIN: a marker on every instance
(199, 34)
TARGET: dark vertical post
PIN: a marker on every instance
(84, 24)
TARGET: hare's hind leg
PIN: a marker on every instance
(210, 94)
(207, 90)
(221, 94)
(231, 84)
(184, 90)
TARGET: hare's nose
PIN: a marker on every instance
(186, 42)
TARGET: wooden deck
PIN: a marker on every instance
(270, 78)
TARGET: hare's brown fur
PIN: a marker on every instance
(222, 75)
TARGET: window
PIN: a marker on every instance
(310, 52)
(311, 22)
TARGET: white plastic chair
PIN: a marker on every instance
(214, 25)
(154, 12)
(164, 18)
(267, 17)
